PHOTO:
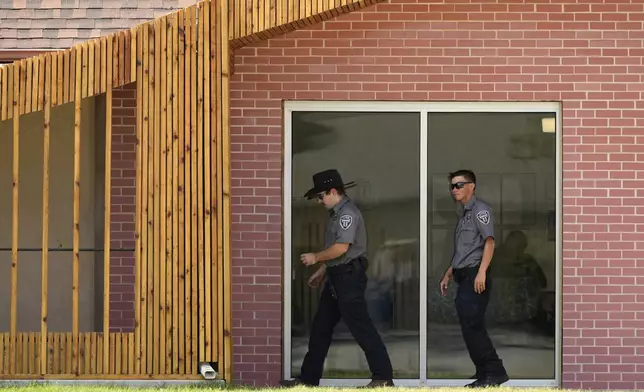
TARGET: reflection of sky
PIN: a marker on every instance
(389, 168)
(378, 151)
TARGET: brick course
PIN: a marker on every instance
(585, 54)
(123, 208)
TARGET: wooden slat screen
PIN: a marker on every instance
(181, 65)
(256, 20)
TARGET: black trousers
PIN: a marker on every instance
(471, 307)
(343, 297)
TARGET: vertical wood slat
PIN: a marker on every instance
(138, 240)
(127, 62)
(76, 228)
(84, 48)
(99, 351)
(121, 58)
(151, 212)
(216, 40)
(45, 213)
(131, 361)
(134, 54)
(11, 94)
(115, 59)
(72, 72)
(66, 78)
(115, 359)
(111, 365)
(181, 191)
(69, 351)
(103, 65)
(23, 353)
(91, 68)
(34, 349)
(107, 203)
(205, 205)
(22, 85)
(42, 62)
(96, 67)
(163, 207)
(175, 194)
(145, 177)
(56, 363)
(4, 91)
(79, 341)
(168, 292)
(93, 359)
(193, 189)
(50, 353)
(188, 193)
(19, 83)
(157, 293)
(29, 86)
(3, 94)
(2, 353)
(53, 92)
(84, 349)
(225, 217)
(5, 353)
(60, 89)
(198, 166)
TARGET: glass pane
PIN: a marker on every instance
(381, 152)
(513, 157)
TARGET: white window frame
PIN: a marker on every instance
(422, 108)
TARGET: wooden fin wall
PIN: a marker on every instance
(180, 190)
(181, 65)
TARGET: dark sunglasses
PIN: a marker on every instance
(320, 196)
(460, 184)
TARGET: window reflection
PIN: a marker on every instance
(513, 156)
(380, 151)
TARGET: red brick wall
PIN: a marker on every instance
(123, 208)
(587, 55)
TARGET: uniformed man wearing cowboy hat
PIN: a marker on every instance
(343, 262)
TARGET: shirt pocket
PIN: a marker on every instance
(468, 234)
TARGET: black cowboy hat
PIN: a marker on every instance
(326, 180)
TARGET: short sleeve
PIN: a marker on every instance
(485, 221)
(346, 227)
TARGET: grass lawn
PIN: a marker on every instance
(68, 388)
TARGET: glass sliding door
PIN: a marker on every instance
(400, 154)
(379, 151)
(514, 158)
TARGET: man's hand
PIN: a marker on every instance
(479, 282)
(317, 277)
(308, 259)
(444, 284)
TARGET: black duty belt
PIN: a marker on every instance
(357, 263)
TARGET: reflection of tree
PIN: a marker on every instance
(310, 136)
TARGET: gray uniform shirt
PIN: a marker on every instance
(345, 225)
(475, 224)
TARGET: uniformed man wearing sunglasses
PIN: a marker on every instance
(473, 249)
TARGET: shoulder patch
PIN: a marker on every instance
(346, 221)
(483, 216)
